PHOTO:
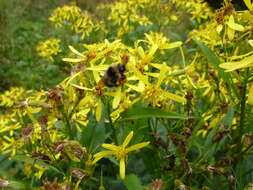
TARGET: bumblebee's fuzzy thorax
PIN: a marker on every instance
(114, 75)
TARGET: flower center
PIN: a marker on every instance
(121, 152)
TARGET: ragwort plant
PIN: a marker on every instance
(187, 104)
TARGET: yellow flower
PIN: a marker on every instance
(73, 17)
(248, 4)
(154, 38)
(13, 96)
(121, 152)
(234, 65)
(49, 48)
(153, 93)
(232, 27)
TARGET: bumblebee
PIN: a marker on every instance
(114, 75)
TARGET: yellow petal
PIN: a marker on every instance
(110, 147)
(174, 45)
(250, 96)
(97, 68)
(117, 98)
(82, 87)
(219, 28)
(153, 50)
(155, 75)
(250, 42)
(137, 146)
(236, 57)
(100, 155)
(33, 110)
(141, 77)
(231, 66)
(248, 4)
(128, 139)
(231, 24)
(122, 168)
(76, 52)
(162, 75)
(141, 52)
(136, 88)
(73, 60)
(175, 97)
(230, 33)
(99, 110)
(73, 77)
(77, 184)
(96, 76)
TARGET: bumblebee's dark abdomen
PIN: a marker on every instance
(111, 83)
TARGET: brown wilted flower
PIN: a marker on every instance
(247, 139)
(70, 148)
(51, 186)
(79, 173)
(157, 184)
(187, 132)
(183, 187)
(90, 55)
(23, 105)
(215, 170)
(46, 106)
(172, 159)
(42, 120)
(26, 132)
(223, 106)
(78, 151)
(59, 146)
(220, 133)
(228, 10)
(158, 141)
(124, 59)
(55, 94)
(189, 95)
(40, 156)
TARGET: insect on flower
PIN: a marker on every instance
(114, 75)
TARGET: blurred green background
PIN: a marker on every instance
(23, 23)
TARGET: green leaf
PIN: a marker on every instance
(94, 134)
(227, 120)
(148, 112)
(212, 58)
(132, 182)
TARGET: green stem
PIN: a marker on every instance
(68, 126)
(242, 108)
(111, 124)
(67, 117)
(243, 102)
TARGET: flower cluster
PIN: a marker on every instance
(73, 17)
(49, 48)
